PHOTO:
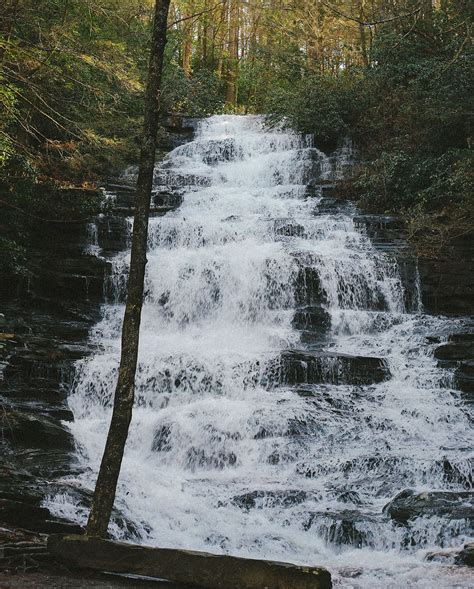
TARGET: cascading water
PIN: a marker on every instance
(285, 392)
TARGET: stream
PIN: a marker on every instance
(287, 391)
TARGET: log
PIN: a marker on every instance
(184, 566)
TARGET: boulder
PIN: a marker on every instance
(409, 505)
(466, 555)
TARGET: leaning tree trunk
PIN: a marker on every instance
(105, 489)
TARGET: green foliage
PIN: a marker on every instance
(72, 76)
(410, 114)
(200, 95)
(71, 81)
(399, 180)
(316, 104)
(13, 258)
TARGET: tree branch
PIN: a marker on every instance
(369, 23)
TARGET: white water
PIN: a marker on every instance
(223, 280)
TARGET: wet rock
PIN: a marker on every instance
(177, 129)
(313, 318)
(262, 499)
(280, 457)
(342, 528)
(172, 180)
(17, 484)
(441, 556)
(387, 232)
(221, 149)
(454, 474)
(459, 353)
(350, 573)
(297, 367)
(34, 431)
(456, 350)
(447, 279)
(308, 290)
(22, 494)
(162, 439)
(466, 555)
(464, 379)
(198, 458)
(409, 275)
(80, 278)
(350, 497)
(289, 229)
(163, 198)
(34, 518)
(334, 206)
(112, 233)
(409, 505)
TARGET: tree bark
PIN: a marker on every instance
(183, 566)
(233, 57)
(105, 489)
(187, 51)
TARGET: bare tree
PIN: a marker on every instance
(105, 489)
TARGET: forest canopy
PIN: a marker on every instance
(394, 76)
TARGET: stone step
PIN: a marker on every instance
(367, 468)
(33, 430)
(385, 231)
(455, 351)
(300, 366)
(34, 518)
(288, 228)
(174, 181)
(312, 318)
(308, 290)
(77, 278)
(334, 206)
(51, 367)
(262, 499)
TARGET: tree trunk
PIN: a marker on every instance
(187, 51)
(105, 489)
(233, 59)
(220, 37)
(427, 13)
(362, 35)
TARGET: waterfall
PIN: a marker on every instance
(286, 389)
